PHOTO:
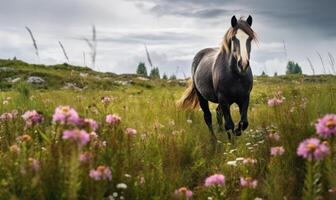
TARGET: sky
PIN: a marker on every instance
(173, 30)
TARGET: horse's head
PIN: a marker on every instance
(238, 42)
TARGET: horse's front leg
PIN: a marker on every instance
(243, 124)
(225, 107)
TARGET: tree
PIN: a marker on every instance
(154, 73)
(142, 70)
(293, 68)
(164, 77)
(263, 73)
(172, 77)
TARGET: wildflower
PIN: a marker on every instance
(239, 159)
(93, 135)
(6, 116)
(277, 151)
(326, 126)
(79, 136)
(106, 100)
(15, 149)
(32, 118)
(249, 161)
(248, 182)
(90, 123)
(131, 132)
(85, 157)
(274, 136)
(216, 179)
(274, 102)
(34, 164)
(183, 192)
(101, 173)
(313, 149)
(122, 186)
(232, 163)
(66, 115)
(113, 119)
(24, 138)
(189, 121)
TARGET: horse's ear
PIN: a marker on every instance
(249, 20)
(234, 21)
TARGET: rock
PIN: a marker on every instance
(123, 82)
(72, 86)
(6, 69)
(143, 78)
(83, 74)
(35, 80)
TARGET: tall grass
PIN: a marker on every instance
(33, 40)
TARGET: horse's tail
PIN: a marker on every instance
(189, 100)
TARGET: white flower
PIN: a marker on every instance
(232, 163)
(121, 186)
(248, 144)
(240, 159)
(115, 194)
(189, 121)
(128, 175)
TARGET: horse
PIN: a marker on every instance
(223, 76)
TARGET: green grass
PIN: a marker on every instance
(168, 151)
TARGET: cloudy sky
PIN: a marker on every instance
(174, 30)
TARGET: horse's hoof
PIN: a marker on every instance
(229, 135)
(237, 132)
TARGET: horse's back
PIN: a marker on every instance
(202, 73)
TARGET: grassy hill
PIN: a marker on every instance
(171, 148)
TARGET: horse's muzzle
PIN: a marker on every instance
(243, 66)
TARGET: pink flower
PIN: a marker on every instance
(216, 179)
(326, 126)
(274, 136)
(101, 173)
(313, 149)
(131, 132)
(277, 151)
(183, 192)
(34, 164)
(106, 100)
(249, 161)
(32, 118)
(85, 157)
(81, 137)
(90, 123)
(248, 182)
(113, 119)
(6, 116)
(66, 115)
(275, 101)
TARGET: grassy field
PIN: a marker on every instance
(168, 149)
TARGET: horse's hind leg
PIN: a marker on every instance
(207, 115)
(219, 118)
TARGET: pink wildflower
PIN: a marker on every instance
(101, 173)
(275, 101)
(79, 136)
(131, 132)
(113, 119)
(85, 157)
(34, 164)
(66, 115)
(90, 123)
(183, 193)
(274, 136)
(249, 161)
(277, 151)
(6, 116)
(326, 126)
(32, 118)
(313, 149)
(216, 179)
(106, 100)
(248, 182)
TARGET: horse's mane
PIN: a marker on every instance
(242, 24)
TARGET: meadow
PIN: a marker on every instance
(122, 137)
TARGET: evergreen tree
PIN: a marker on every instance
(164, 77)
(142, 70)
(155, 73)
(172, 77)
(293, 68)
